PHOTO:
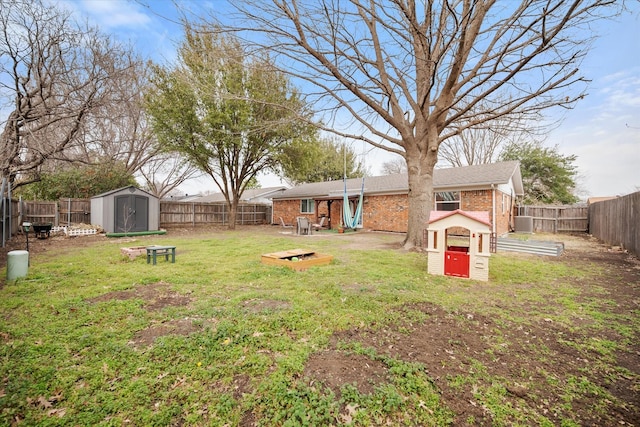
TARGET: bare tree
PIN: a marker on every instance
(482, 143)
(164, 172)
(395, 166)
(120, 130)
(411, 75)
(55, 73)
(474, 146)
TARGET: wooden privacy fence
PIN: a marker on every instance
(617, 221)
(192, 213)
(58, 213)
(10, 219)
(74, 211)
(9, 216)
(556, 219)
(77, 211)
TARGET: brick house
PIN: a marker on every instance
(491, 187)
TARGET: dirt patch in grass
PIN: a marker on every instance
(156, 296)
(544, 367)
(181, 327)
(334, 369)
(537, 367)
(619, 281)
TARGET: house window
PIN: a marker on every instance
(307, 206)
(448, 201)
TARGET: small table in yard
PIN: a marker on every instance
(153, 251)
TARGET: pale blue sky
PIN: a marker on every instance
(603, 130)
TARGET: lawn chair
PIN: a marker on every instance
(320, 224)
(304, 226)
(285, 225)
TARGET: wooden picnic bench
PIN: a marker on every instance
(154, 251)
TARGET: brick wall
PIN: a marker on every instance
(386, 213)
(482, 200)
(391, 212)
(477, 200)
(289, 210)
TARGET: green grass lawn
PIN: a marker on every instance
(72, 353)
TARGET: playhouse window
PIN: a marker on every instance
(448, 201)
(458, 239)
(307, 206)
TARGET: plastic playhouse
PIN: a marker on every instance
(459, 244)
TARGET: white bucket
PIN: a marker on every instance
(17, 264)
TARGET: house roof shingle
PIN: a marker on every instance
(459, 178)
(247, 195)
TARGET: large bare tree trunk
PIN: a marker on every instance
(420, 167)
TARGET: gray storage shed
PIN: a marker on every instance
(125, 210)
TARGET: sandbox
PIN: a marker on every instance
(297, 259)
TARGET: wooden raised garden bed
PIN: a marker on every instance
(296, 259)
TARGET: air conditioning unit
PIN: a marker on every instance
(524, 224)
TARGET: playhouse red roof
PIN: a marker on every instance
(480, 216)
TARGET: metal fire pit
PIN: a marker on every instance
(42, 230)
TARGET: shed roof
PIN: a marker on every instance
(117, 190)
(458, 178)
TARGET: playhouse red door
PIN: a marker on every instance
(456, 264)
